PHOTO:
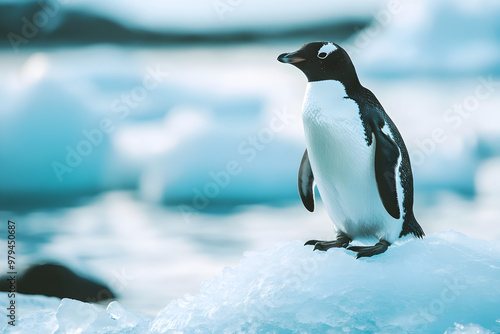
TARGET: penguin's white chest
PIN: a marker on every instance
(343, 163)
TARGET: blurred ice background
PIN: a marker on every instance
(150, 144)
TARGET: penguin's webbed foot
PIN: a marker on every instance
(341, 242)
(368, 251)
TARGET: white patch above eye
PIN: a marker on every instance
(326, 49)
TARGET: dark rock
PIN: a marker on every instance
(57, 281)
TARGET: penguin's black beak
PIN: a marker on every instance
(290, 58)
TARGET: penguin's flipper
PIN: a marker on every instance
(386, 160)
(306, 183)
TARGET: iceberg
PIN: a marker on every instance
(226, 161)
(445, 283)
(194, 16)
(434, 38)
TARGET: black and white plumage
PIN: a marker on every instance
(355, 154)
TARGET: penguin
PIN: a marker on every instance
(354, 155)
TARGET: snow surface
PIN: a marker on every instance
(446, 282)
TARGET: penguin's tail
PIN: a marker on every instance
(410, 225)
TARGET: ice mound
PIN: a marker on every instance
(41, 315)
(446, 283)
(427, 286)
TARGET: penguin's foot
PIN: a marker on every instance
(367, 251)
(341, 242)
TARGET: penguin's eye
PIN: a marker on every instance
(322, 55)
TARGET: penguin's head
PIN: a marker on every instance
(321, 61)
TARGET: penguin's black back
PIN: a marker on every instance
(373, 114)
